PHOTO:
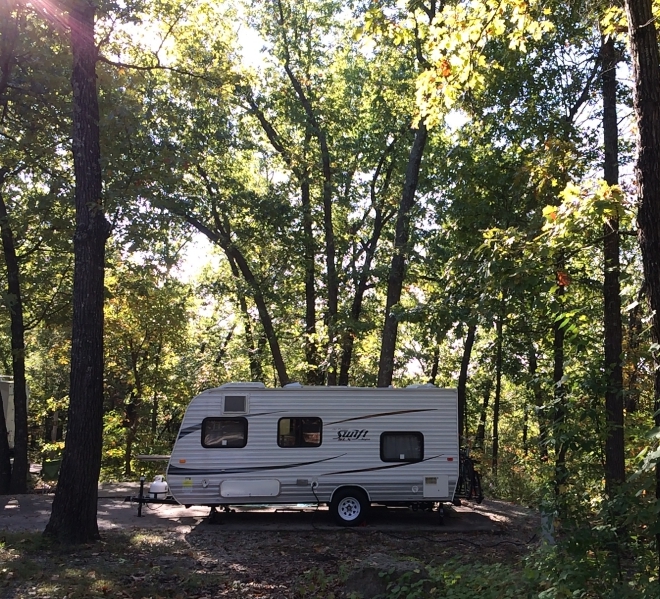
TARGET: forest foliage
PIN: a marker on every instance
(346, 192)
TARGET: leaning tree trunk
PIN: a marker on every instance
(646, 76)
(613, 329)
(73, 516)
(398, 265)
(254, 356)
(221, 237)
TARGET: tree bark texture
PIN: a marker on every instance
(613, 327)
(537, 393)
(19, 471)
(5, 459)
(643, 42)
(315, 375)
(498, 390)
(559, 419)
(73, 516)
(435, 364)
(398, 266)
(262, 308)
(254, 356)
(462, 381)
(635, 332)
(13, 479)
(480, 437)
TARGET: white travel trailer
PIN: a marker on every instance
(347, 447)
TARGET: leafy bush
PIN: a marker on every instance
(548, 573)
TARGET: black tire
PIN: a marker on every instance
(349, 507)
(441, 516)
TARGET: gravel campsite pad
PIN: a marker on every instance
(205, 561)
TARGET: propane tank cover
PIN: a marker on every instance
(158, 488)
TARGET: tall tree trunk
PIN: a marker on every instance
(646, 74)
(314, 373)
(480, 437)
(131, 423)
(54, 430)
(254, 356)
(525, 431)
(559, 419)
(17, 483)
(356, 306)
(154, 399)
(462, 380)
(19, 471)
(73, 516)
(332, 284)
(264, 313)
(538, 403)
(5, 459)
(498, 390)
(222, 238)
(380, 219)
(635, 328)
(613, 328)
(132, 409)
(435, 365)
(398, 266)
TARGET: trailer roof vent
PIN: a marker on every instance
(243, 385)
(235, 404)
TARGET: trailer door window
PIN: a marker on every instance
(299, 432)
(224, 432)
(402, 447)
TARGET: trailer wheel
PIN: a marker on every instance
(349, 507)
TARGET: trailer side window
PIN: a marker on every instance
(402, 447)
(299, 432)
(224, 432)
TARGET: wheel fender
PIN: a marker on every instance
(342, 487)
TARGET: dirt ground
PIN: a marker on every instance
(289, 553)
(30, 513)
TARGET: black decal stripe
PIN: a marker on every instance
(266, 413)
(190, 429)
(397, 465)
(187, 471)
(382, 414)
